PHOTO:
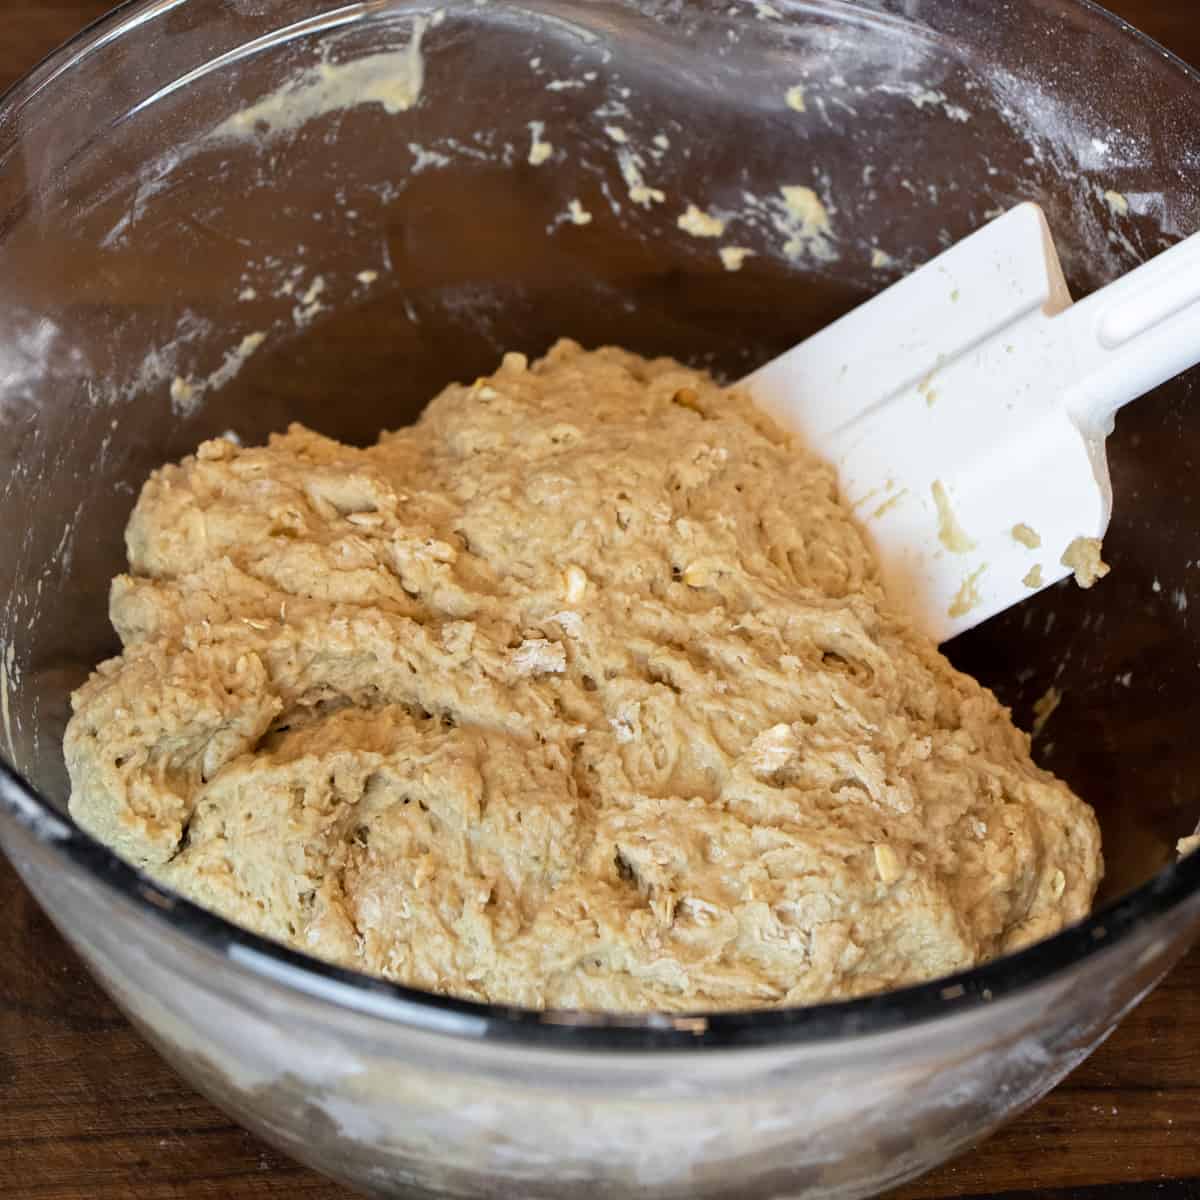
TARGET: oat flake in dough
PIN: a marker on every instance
(582, 692)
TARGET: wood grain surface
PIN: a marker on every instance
(88, 1112)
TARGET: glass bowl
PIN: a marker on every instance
(392, 195)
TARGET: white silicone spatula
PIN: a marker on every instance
(966, 410)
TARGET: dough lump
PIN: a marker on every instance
(581, 693)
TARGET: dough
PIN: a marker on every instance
(1083, 557)
(582, 692)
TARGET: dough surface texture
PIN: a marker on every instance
(580, 693)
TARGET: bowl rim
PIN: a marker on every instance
(968, 991)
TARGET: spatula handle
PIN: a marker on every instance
(1134, 334)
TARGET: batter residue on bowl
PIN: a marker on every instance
(582, 692)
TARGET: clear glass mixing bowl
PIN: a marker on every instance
(353, 181)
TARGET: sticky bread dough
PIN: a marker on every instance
(582, 692)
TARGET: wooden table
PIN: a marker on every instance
(88, 1112)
